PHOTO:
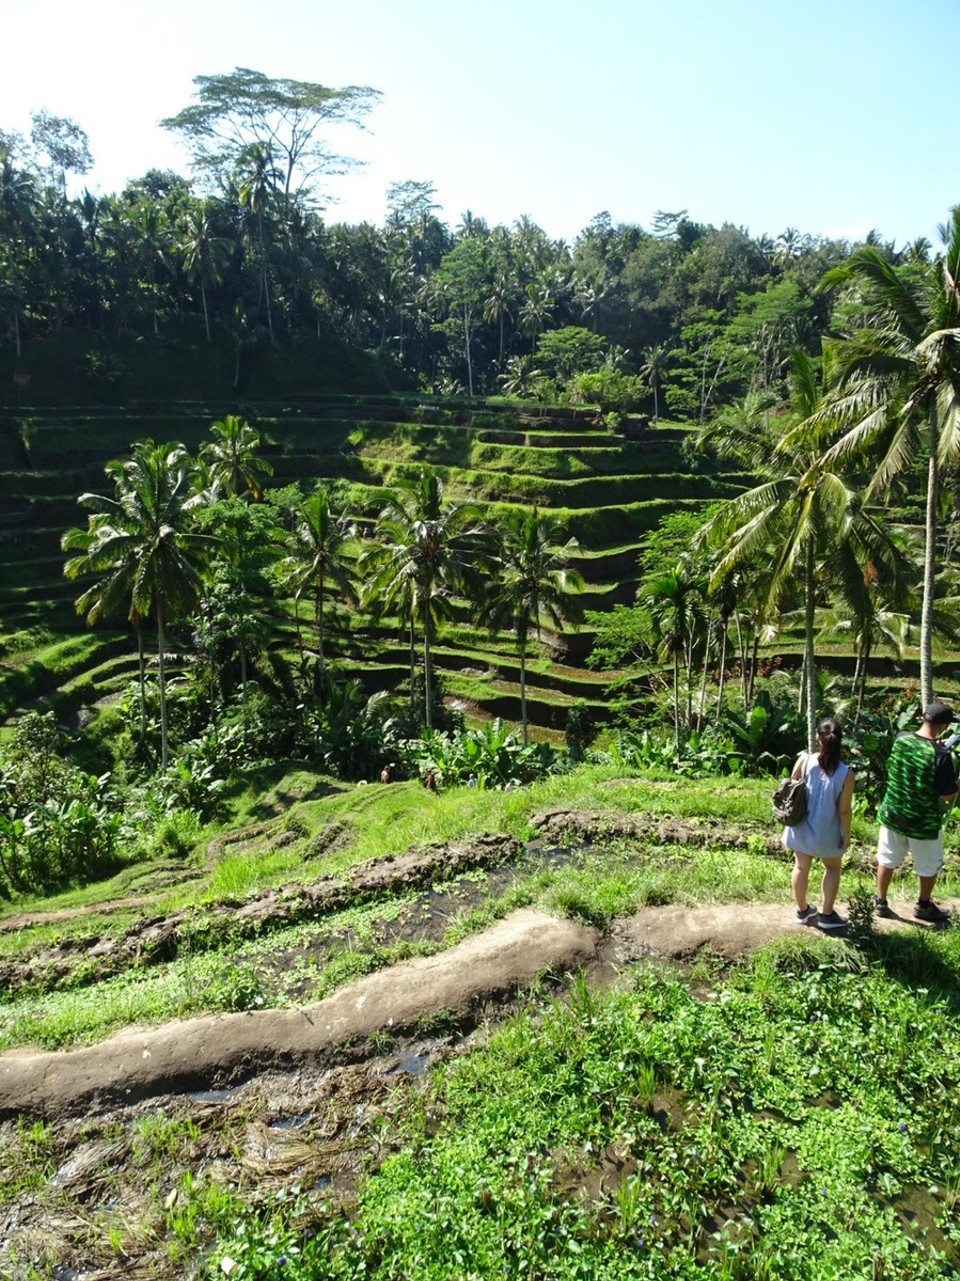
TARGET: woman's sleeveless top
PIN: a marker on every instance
(819, 833)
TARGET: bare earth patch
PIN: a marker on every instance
(216, 1051)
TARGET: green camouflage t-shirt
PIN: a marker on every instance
(919, 772)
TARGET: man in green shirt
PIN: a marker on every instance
(921, 787)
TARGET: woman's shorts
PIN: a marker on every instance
(893, 847)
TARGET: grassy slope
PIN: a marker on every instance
(710, 1122)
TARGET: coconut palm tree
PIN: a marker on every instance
(205, 255)
(231, 459)
(897, 384)
(803, 510)
(674, 600)
(142, 541)
(532, 579)
(258, 180)
(651, 370)
(316, 558)
(426, 550)
(98, 552)
(18, 223)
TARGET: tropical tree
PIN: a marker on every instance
(205, 255)
(315, 561)
(803, 510)
(651, 371)
(532, 579)
(99, 551)
(426, 551)
(898, 385)
(674, 601)
(18, 221)
(238, 613)
(536, 311)
(142, 540)
(461, 281)
(65, 145)
(232, 460)
(257, 179)
(243, 108)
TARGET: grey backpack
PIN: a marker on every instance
(790, 801)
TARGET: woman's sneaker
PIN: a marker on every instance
(808, 916)
(831, 921)
(927, 910)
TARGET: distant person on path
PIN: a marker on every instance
(921, 787)
(825, 832)
(430, 781)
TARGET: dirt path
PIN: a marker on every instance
(218, 1050)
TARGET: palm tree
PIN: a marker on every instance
(536, 311)
(231, 460)
(532, 579)
(18, 216)
(498, 302)
(258, 180)
(674, 601)
(653, 361)
(141, 540)
(100, 551)
(316, 561)
(898, 385)
(803, 509)
(427, 550)
(205, 255)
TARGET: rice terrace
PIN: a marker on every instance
(402, 631)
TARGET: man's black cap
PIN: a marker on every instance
(938, 714)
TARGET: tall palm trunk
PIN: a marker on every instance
(206, 315)
(702, 695)
(522, 639)
(723, 669)
(742, 649)
(162, 685)
(142, 677)
(318, 621)
(466, 331)
(929, 562)
(811, 672)
(411, 632)
(427, 669)
(863, 660)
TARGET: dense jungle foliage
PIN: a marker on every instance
(812, 387)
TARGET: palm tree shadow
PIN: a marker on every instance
(911, 957)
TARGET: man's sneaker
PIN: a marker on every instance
(881, 907)
(831, 921)
(927, 910)
(808, 916)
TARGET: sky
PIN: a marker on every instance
(830, 116)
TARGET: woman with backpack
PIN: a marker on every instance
(824, 833)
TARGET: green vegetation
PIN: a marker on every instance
(257, 410)
(698, 1119)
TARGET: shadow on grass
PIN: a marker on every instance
(921, 957)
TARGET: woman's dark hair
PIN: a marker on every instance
(830, 735)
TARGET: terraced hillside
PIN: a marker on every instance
(605, 489)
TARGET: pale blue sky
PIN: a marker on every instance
(832, 116)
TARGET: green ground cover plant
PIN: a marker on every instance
(806, 1097)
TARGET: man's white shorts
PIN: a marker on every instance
(892, 849)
